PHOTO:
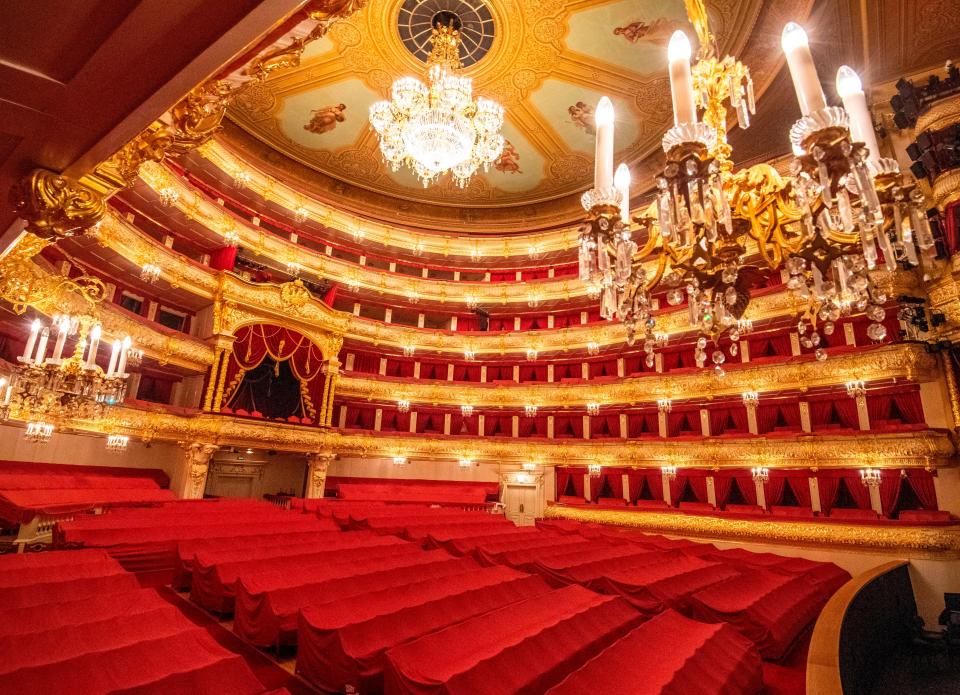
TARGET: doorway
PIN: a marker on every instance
(522, 504)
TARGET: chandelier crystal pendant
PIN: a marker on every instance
(438, 127)
(716, 234)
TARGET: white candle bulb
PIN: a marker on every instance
(94, 344)
(854, 100)
(114, 354)
(621, 180)
(124, 349)
(63, 328)
(42, 346)
(8, 394)
(32, 340)
(603, 160)
(681, 80)
(806, 83)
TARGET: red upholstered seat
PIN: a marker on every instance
(525, 647)
(853, 514)
(214, 574)
(652, 504)
(697, 507)
(464, 542)
(335, 658)
(752, 509)
(670, 655)
(792, 512)
(571, 500)
(770, 609)
(611, 502)
(267, 602)
(921, 515)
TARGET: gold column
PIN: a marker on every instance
(322, 420)
(946, 362)
(212, 382)
(333, 387)
(221, 382)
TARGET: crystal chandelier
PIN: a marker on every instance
(150, 273)
(117, 443)
(38, 432)
(715, 234)
(72, 387)
(437, 127)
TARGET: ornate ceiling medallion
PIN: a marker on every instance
(474, 21)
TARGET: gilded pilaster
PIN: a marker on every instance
(323, 406)
(193, 475)
(212, 381)
(221, 381)
(317, 466)
(950, 376)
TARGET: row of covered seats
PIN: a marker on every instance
(29, 489)
(413, 491)
(76, 622)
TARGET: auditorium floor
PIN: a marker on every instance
(270, 672)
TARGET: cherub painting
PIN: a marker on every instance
(509, 160)
(658, 31)
(582, 116)
(326, 119)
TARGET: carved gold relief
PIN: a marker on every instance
(55, 205)
(911, 541)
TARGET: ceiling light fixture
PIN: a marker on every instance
(438, 127)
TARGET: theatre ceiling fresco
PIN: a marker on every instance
(546, 61)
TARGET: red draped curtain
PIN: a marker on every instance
(773, 489)
(722, 485)
(890, 482)
(858, 491)
(256, 343)
(800, 487)
(698, 483)
(576, 474)
(643, 424)
(921, 482)
(746, 486)
(563, 478)
(829, 487)
(653, 480)
(613, 476)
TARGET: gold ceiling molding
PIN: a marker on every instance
(905, 361)
(276, 191)
(911, 541)
(56, 206)
(925, 448)
(181, 272)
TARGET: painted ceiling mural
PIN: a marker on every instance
(546, 61)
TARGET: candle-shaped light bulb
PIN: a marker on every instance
(114, 355)
(681, 80)
(806, 83)
(850, 89)
(8, 394)
(42, 346)
(603, 160)
(621, 181)
(94, 344)
(32, 340)
(63, 329)
(124, 349)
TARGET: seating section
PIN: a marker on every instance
(691, 657)
(399, 598)
(31, 489)
(412, 491)
(68, 625)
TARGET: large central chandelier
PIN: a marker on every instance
(713, 234)
(437, 127)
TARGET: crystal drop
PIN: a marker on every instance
(806, 342)
(675, 297)
(828, 328)
(701, 343)
(649, 361)
(718, 357)
(730, 296)
(734, 349)
(876, 313)
(876, 331)
(795, 282)
(820, 354)
(671, 279)
(801, 327)
(718, 370)
(815, 339)
(734, 335)
(729, 275)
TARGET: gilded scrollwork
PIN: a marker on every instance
(56, 206)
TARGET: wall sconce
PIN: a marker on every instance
(664, 405)
(408, 350)
(532, 354)
(466, 410)
(761, 474)
(523, 477)
(150, 273)
(529, 466)
(117, 442)
(594, 470)
(593, 408)
(668, 472)
(856, 389)
(530, 410)
(469, 355)
(403, 406)
(413, 297)
(751, 398)
(870, 477)
(593, 348)
(470, 301)
(301, 214)
(399, 460)
(465, 463)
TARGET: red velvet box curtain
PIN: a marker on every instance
(653, 480)
(609, 476)
(570, 475)
(256, 343)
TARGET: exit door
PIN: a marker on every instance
(522, 505)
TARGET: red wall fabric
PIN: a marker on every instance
(800, 487)
(223, 258)
(921, 482)
(890, 482)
